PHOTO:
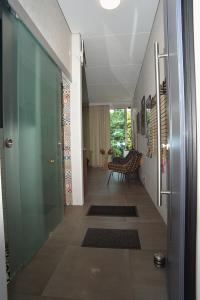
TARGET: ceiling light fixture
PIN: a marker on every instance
(110, 4)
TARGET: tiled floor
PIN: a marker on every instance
(62, 270)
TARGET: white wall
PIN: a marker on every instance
(145, 87)
(197, 62)
(76, 123)
(46, 21)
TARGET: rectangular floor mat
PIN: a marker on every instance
(112, 238)
(113, 211)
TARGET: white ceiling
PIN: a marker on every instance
(115, 44)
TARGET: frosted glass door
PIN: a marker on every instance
(32, 96)
(12, 216)
(51, 155)
(39, 93)
(30, 142)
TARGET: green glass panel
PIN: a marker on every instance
(51, 155)
(12, 201)
(39, 94)
(30, 138)
(31, 118)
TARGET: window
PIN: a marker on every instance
(120, 130)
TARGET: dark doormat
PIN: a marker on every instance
(112, 211)
(112, 238)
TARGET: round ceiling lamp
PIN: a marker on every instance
(110, 4)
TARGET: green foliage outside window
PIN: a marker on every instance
(120, 131)
(129, 141)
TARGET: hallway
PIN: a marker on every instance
(64, 270)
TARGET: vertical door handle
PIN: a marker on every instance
(160, 192)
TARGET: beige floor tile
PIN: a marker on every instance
(150, 293)
(34, 277)
(64, 270)
(29, 297)
(89, 273)
(144, 273)
(152, 236)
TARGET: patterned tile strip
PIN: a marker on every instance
(66, 123)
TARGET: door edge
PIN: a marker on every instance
(191, 150)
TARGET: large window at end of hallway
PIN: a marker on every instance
(121, 137)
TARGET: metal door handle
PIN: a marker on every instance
(51, 161)
(8, 143)
(160, 192)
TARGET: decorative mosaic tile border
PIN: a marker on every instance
(66, 123)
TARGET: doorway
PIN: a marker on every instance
(167, 170)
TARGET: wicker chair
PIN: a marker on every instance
(124, 160)
(127, 169)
